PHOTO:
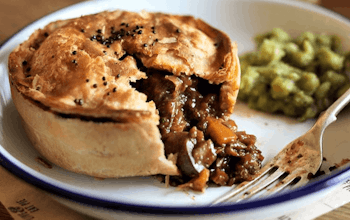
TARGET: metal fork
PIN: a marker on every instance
(294, 164)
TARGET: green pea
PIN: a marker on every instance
(309, 36)
(329, 59)
(308, 82)
(280, 35)
(300, 99)
(248, 81)
(297, 76)
(267, 104)
(277, 68)
(277, 34)
(336, 44)
(293, 76)
(260, 88)
(342, 90)
(245, 64)
(336, 79)
(268, 51)
(310, 112)
(322, 91)
(289, 109)
(281, 87)
(301, 57)
(323, 40)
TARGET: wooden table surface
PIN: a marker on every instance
(16, 14)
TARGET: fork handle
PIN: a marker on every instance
(330, 114)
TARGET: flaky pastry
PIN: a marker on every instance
(73, 84)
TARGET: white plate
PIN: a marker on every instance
(130, 197)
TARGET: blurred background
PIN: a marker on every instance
(16, 14)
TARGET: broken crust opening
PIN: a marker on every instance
(128, 147)
(103, 150)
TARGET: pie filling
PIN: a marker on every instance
(205, 142)
(197, 134)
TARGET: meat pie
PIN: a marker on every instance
(119, 94)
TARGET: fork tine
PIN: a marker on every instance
(281, 185)
(303, 180)
(233, 192)
(262, 185)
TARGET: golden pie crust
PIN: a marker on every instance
(70, 83)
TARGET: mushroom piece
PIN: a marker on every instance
(193, 152)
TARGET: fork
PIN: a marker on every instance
(294, 165)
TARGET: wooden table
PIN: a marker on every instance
(17, 14)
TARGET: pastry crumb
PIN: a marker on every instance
(43, 162)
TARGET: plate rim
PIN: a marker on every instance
(316, 186)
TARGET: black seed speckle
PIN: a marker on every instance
(24, 63)
(82, 30)
(46, 34)
(28, 76)
(105, 83)
(152, 27)
(137, 27)
(94, 85)
(74, 52)
(216, 44)
(53, 56)
(108, 46)
(122, 32)
(104, 52)
(126, 25)
(99, 31)
(108, 93)
(74, 61)
(156, 40)
(178, 30)
(118, 76)
(145, 45)
(139, 32)
(78, 101)
(38, 88)
(87, 80)
(122, 24)
(114, 89)
(103, 78)
(99, 38)
(154, 32)
(28, 69)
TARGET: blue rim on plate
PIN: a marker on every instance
(320, 184)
